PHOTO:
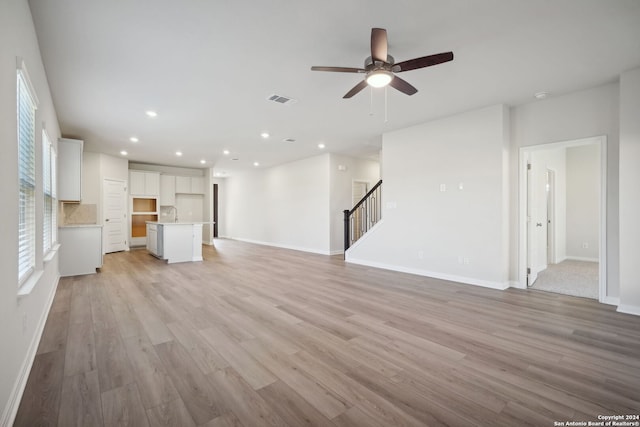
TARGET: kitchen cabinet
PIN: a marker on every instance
(80, 249)
(69, 170)
(142, 209)
(189, 185)
(144, 183)
(167, 190)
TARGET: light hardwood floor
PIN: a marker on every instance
(258, 336)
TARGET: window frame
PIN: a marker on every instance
(49, 209)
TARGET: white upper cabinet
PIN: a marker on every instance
(197, 184)
(70, 170)
(189, 185)
(167, 190)
(144, 183)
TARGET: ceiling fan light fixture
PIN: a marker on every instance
(379, 78)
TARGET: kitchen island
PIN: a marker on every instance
(175, 241)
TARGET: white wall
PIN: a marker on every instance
(583, 202)
(458, 234)
(630, 192)
(583, 114)
(21, 317)
(286, 206)
(341, 183)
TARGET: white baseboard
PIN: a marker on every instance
(579, 258)
(277, 245)
(11, 410)
(435, 275)
(338, 252)
(629, 309)
(611, 301)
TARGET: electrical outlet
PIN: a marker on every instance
(460, 260)
(585, 245)
(465, 261)
(443, 187)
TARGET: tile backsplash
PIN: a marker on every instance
(74, 213)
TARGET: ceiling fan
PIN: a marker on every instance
(380, 67)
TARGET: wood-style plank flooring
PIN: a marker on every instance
(259, 336)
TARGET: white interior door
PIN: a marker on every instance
(531, 246)
(551, 220)
(115, 216)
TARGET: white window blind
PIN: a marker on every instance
(47, 222)
(54, 196)
(27, 104)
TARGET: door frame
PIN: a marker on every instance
(103, 213)
(523, 251)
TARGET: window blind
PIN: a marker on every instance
(47, 196)
(26, 177)
(54, 195)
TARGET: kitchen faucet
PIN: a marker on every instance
(175, 214)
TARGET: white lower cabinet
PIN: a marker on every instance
(80, 249)
(154, 239)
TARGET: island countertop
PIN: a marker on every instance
(181, 222)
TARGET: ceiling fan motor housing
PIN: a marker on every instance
(370, 64)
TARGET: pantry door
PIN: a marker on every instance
(115, 216)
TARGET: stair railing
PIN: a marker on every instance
(364, 215)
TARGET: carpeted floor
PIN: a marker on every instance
(577, 278)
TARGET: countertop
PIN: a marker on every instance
(180, 222)
(79, 225)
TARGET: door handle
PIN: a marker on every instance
(538, 224)
(107, 220)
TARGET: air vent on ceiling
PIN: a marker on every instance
(285, 100)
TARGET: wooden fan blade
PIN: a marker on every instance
(402, 85)
(357, 88)
(339, 69)
(379, 44)
(425, 61)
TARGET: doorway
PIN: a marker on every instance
(215, 211)
(359, 189)
(563, 217)
(114, 216)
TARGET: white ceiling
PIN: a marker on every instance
(207, 68)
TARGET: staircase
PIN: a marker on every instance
(364, 215)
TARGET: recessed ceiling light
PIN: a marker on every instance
(256, 164)
(134, 139)
(321, 146)
(225, 152)
(265, 135)
(178, 153)
(151, 113)
(541, 95)
(124, 153)
(203, 161)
